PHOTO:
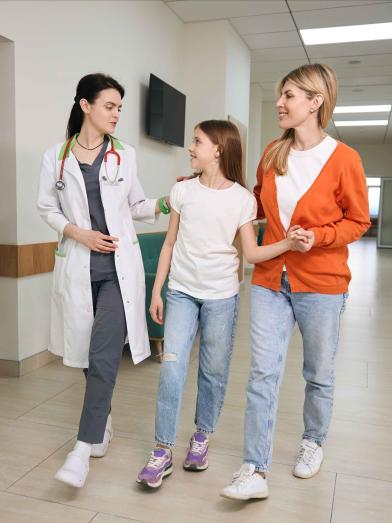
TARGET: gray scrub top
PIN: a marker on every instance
(102, 265)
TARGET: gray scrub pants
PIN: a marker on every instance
(106, 347)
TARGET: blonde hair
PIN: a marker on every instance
(314, 79)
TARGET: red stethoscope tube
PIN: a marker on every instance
(60, 185)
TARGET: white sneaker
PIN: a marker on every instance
(246, 484)
(98, 450)
(74, 471)
(309, 459)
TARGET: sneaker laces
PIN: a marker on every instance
(198, 447)
(306, 454)
(241, 476)
(155, 462)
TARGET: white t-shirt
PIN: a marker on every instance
(205, 262)
(303, 168)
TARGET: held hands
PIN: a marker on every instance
(300, 239)
(156, 309)
(96, 241)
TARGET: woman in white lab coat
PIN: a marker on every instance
(89, 193)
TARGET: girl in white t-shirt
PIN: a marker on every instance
(207, 212)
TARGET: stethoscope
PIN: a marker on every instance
(60, 184)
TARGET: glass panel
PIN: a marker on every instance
(374, 201)
(373, 182)
(385, 221)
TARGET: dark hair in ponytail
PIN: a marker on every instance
(89, 88)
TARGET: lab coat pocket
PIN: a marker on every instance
(59, 272)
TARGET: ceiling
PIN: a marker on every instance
(270, 28)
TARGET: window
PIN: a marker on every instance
(373, 185)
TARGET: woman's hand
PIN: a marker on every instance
(182, 178)
(156, 308)
(300, 239)
(96, 241)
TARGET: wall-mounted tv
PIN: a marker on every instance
(165, 112)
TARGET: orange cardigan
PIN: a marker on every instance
(335, 208)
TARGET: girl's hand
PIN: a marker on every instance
(96, 241)
(156, 309)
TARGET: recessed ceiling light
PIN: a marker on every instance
(347, 33)
(362, 109)
(354, 62)
(359, 123)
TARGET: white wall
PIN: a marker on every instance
(254, 134)
(376, 158)
(237, 77)
(270, 129)
(8, 218)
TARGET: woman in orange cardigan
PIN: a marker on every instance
(307, 178)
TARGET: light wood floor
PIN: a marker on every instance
(39, 415)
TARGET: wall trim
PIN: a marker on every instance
(15, 369)
(17, 261)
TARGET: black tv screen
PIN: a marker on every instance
(165, 112)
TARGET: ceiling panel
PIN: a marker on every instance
(367, 60)
(357, 72)
(362, 134)
(279, 53)
(349, 49)
(269, 40)
(361, 116)
(196, 11)
(280, 66)
(338, 16)
(263, 24)
(306, 5)
(364, 81)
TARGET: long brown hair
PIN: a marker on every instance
(226, 136)
(313, 79)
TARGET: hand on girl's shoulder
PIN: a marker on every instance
(185, 178)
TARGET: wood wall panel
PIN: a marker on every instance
(17, 261)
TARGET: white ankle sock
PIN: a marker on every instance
(83, 449)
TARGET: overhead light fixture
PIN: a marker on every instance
(347, 33)
(362, 109)
(354, 62)
(359, 123)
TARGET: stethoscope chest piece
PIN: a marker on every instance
(60, 185)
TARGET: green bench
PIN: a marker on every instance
(150, 246)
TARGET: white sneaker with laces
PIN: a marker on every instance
(309, 459)
(246, 484)
(74, 471)
(98, 450)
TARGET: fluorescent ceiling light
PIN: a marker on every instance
(347, 33)
(359, 123)
(362, 109)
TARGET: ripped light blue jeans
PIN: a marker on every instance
(273, 316)
(218, 321)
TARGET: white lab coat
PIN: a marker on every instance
(71, 300)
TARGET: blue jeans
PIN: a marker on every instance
(273, 316)
(218, 321)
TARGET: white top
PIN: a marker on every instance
(303, 168)
(205, 261)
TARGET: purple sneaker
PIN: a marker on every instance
(197, 457)
(158, 466)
